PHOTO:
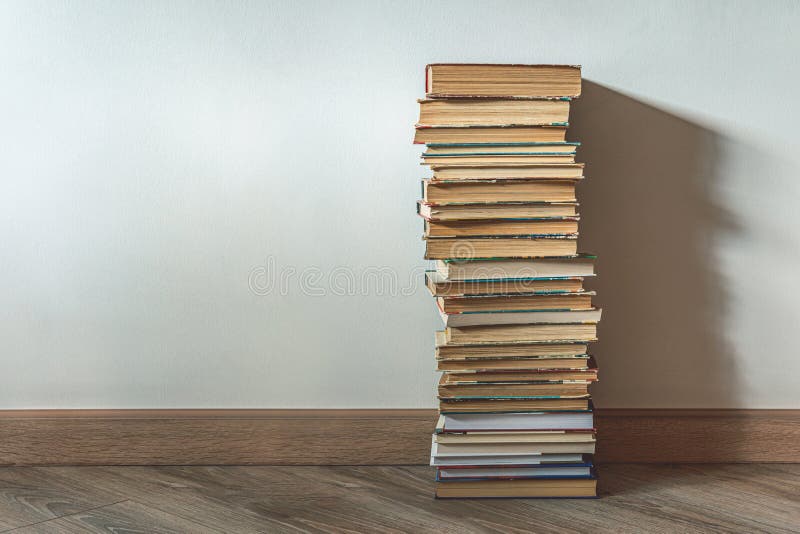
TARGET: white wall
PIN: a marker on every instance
(153, 154)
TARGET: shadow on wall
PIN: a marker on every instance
(648, 210)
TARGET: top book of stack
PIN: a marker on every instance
(444, 80)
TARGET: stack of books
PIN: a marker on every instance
(501, 220)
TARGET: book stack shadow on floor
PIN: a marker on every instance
(501, 220)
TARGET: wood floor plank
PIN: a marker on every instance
(127, 516)
(635, 498)
(195, 493)
(703, 497)
(31, 495)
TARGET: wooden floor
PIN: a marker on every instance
(635, 498)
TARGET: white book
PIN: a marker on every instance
(534, 459)
(441, 450)
(465, 422)
(519, 436)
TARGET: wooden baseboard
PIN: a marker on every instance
(698, 436)
(365, 437)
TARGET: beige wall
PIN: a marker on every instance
(157, 159)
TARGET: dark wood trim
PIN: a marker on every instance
(365, 437)
(218, 414)
(698, 436)
(214, 437)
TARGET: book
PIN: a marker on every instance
(520, 376)
(458, 171)
(490, 191)
(494, 134)
(566, 487)
(511, 405)
(507, 210)
(509, 365)
(558, 389)
(531, 364)
(488, 303)
(489, 112)
(516, 421)
(511, 472)
(543, 460)
(496, 80)
(517, 246)
(518, 436)
(521, 317)
(499, 160)
(520, 333)
(527, 317)
(516, 269)
(517, 364)
(449, 450)
(439, 286)
(502, 227)
(495, 149)
(531, 349)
